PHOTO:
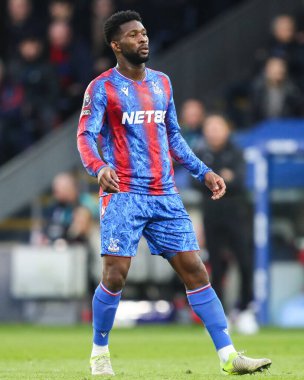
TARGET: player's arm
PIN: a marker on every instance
(182, 153)
(89, 129)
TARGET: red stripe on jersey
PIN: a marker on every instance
(146, 100)
(120, 141)
(167, 88)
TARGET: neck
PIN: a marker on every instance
(134, 72)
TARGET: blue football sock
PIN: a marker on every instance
(105, 304)
(209, 309)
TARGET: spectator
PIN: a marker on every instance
(70, 216)
(66, 11)
(72, 62)
(20, 21)
(191, 120)
(61, 10)
(102, 53)
(40, 85)
(226, 219)
(284, 44)
(274, 94)
(13, 138)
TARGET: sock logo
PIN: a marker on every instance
(103, 334)
(226, 331)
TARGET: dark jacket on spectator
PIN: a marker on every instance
(41, 92)
(229, 157)
(290, 101)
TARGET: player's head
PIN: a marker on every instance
(127, 36)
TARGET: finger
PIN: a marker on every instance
(110, 180)
(219, 195)
(213, 186)
(221, 183)
(221, 189)
(114, 176)
(109, 185)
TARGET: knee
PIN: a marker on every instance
(197, 275)
(114, 279)
(197, 268)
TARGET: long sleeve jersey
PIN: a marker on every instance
(136, 125)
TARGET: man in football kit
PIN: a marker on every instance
(130, 110)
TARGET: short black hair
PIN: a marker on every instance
(112, 25)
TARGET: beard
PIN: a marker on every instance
(135, 58)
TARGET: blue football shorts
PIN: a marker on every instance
(161, 219)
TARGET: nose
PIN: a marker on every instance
(143, 38)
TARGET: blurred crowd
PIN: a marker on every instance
(275, 87)
(50, 51)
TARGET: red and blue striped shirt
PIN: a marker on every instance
(136, 124)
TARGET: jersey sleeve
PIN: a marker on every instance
(179, 149)
(89, 128)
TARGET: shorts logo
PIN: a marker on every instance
(113, 246)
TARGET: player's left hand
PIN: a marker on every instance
(216, 184)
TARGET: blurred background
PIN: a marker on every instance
(237, 68)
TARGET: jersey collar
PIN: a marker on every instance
(146, 78)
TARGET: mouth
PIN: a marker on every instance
(144, 49)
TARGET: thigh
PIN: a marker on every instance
(122, 219)
(170, 229)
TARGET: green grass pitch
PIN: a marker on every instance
(143, 353)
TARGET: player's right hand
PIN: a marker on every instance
(108, 180)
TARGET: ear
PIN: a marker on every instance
(115, 46)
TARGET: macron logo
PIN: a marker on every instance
(139, 117)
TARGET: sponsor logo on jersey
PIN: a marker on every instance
(113, 246)
(139, 117)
